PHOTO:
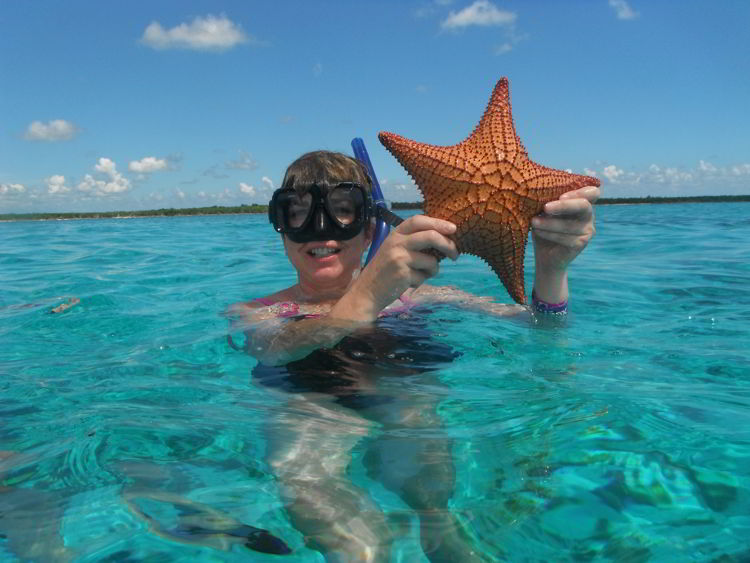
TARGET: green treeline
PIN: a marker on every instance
(166, 212)
(254, 208)
(686, 199)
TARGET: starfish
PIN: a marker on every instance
(487, 186)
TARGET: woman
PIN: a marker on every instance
(326, 339)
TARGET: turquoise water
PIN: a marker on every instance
(622, 435)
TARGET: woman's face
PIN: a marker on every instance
(323, 265)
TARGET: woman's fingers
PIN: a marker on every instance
(573, 241)
(571, 216)
(426, 240)
(423, 233)
(565, 227)
(426, 263)
(405, 255)
(562, 226)
(570, 208)
(419, 223)
(589, 193)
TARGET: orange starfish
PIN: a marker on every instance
(487, 186)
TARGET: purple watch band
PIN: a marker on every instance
(544, 307)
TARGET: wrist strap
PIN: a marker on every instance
(548, 308)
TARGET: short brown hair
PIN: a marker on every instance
(325, 168)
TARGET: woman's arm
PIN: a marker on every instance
(275, 340)
(401, 263)
(450, 294)
(559, 235)
(398, 265)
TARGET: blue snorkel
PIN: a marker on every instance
(385, 217)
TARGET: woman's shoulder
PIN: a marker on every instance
(285, 295)
(244, 308)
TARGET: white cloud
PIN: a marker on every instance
(252, 191)
(213, 172)
(503, 49)
(481, 12)
(247, 189)
(12, 189)
(56, 184)
(106, 166)
(114, 184)
(590, 172)
(244, 162)
(709, 170)
(55, 130)
(428, 9)
(208, 33)
(675, 175)
(147, 164)
(701, 176)
(623, 10)
(179, 193)
(612, 173)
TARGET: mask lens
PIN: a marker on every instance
(345, 203)
(295, 208)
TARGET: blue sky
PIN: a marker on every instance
(141, 105)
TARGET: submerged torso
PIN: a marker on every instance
(352, 371)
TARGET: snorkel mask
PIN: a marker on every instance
(321, 212)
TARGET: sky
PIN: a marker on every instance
(110, 106)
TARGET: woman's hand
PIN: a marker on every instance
(559, 235)
(401, 263)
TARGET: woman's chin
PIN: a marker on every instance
(332, 274)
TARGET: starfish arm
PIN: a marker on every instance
(442, 174)
(543, 184)
(496, 130)
(429, 160)
(498, 236)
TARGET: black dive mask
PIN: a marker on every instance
(321, 212)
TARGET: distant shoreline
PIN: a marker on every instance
(244, 209)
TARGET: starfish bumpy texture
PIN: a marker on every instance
(487, 186)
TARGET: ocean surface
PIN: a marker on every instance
(131, 431)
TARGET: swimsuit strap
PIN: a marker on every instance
(282, 309)
(406, 305)
(291, 309)
(407, 301)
